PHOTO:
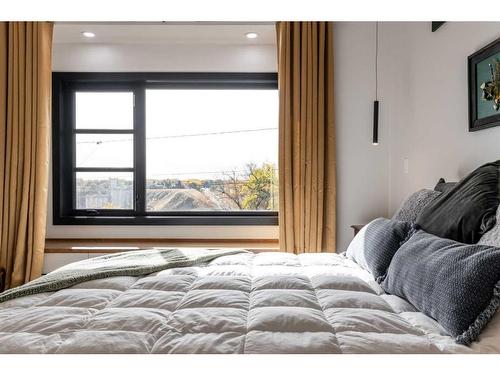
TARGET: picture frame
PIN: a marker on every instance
(482, 112)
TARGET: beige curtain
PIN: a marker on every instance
(25, 108)
(306, 137)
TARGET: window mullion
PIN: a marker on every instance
(140, 148)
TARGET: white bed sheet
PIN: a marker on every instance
(244, 303)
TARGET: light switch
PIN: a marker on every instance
(406, 166)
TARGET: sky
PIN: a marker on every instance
(179, 131)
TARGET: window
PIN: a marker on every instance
(165, 148)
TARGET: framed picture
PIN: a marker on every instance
(484, 87)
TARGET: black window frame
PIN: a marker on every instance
(64, 84)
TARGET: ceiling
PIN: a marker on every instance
(165, 33)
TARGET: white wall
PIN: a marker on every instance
(424, 114)
(362, 169)
(428, 104)
(120, 57)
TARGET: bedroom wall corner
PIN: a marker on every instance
(429, 110)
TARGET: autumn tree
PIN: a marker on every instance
(259, 187)
(255, 189)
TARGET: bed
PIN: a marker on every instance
(242, 303)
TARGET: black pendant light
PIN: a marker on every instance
(376, 103)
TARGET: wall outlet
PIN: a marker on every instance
(406, 166)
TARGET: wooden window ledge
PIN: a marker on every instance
(117, 245)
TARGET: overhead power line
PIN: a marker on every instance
(182, 135)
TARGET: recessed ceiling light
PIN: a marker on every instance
(251, 35)
(88, 34)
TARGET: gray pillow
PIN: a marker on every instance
(414, 204)
(376, 243)
(443, 186)
(492, 237)
(467, 211)
(454, 283)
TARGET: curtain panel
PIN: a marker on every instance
(25, 112)
(306, 137)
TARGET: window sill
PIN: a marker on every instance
(116, 245)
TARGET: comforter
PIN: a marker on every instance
(242, 303)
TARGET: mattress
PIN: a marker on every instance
(243, 303)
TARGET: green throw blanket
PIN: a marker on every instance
(132, 263)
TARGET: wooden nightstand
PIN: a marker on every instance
(2, 279)
(357, 228)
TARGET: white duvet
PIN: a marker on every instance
(244, 303)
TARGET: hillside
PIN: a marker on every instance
(186, 199)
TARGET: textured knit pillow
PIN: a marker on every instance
(376, 243)
(454, 283)
(414, 204)
(468, 210)
(492, 237)
(443, 186)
